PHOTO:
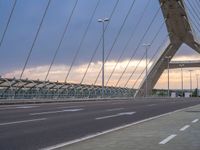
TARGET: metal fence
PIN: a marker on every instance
(35, 89)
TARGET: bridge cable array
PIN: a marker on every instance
(116, 38)
(151, 43)
(160, 47)
(35, 38)
(62, 38)
(82, 40)
(128, 41)
(194, 13)
(139, 44)
(8, 22)
(95, 50)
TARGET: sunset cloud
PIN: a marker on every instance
(59, 72)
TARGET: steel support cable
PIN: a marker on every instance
(192, 13)
(194, 19)
(193, 9)
(198, 28)
(82, 40)
(198, 3)
(161, 45)
(140, 42)
(128, 42)
(196, 7)
(117, 37)
(95, 51)
(61, 39)
(193, 23)
(8, 22)
(151, 43)
(35, 39)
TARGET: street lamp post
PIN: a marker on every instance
(197, 76)
(146, 52)
(168, 60)
(181, 65)
(103, 51)
(190, 81)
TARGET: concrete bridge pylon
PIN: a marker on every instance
(180, 32)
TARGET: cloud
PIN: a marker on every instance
(59, 72)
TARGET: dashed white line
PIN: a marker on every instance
(26, 107)
(150, 105)
(18, 107)
(66, 107)
(54, 112)
(196, 120)
(116, 115)
(114, 109)
(169, 138)
(23, 121)
(184, 128)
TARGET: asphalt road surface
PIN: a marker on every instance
(36, 126)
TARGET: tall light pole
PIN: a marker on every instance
(190, 81)
(197, 76)
(103, 51)
(146, 76)
(168, 60)
(182, 65)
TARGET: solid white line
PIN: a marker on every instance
(23, 121)
(168, 139)
(111, 130)
(116, 115)
(54, 112)
(184, 128)
(114, 109)
(196, 120)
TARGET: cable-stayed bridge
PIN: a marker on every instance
(56, 52)
(69, 70)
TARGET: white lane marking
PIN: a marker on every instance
(116, 115)
(23, 121)
(151, 105)
(54, 112)
(114, 109)
(196, 120)
(17, 107)
(25, 107)
(111, 130)
(169, 138)
(184, 128)
(66, 107)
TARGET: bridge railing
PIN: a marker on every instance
(34, 89)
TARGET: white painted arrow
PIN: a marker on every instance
(117, 115)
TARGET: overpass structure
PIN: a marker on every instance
(183, 64)
(180, 32)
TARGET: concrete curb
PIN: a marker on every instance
(37, 101)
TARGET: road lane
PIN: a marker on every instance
(62, 127)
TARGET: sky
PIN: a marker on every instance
(26, 19)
